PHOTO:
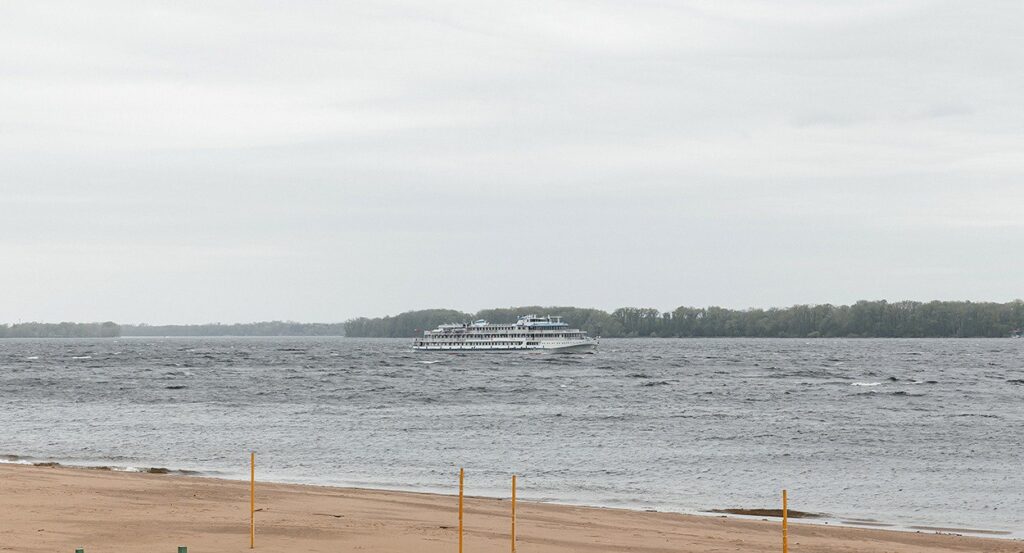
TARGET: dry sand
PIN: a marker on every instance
(56, 509)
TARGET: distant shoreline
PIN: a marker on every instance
(403, 338)
(863, 319)
(409, 338)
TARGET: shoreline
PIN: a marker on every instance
(759, 516)
(320, 336)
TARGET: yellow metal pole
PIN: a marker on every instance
(785, 523)
(252, 500)
(513, 513)
(462, 475)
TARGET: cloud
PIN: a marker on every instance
(635, 153)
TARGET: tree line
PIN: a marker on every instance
(864, 319)
(113, 330)
(262, 328)
(60, 330)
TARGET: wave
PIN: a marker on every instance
(979, 415)
(865, 384)
(14, 460)
(19, 460)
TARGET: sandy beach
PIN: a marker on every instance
(54, 509)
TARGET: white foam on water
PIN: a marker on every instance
(866, 384)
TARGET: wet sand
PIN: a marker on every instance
(53, 509)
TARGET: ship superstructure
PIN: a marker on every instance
(528, 333)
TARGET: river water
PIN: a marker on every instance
(905, 432)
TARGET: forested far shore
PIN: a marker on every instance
(864, 319)
(113, 330)
(106, 329)
(263, 328)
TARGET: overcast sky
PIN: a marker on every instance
(175, 162)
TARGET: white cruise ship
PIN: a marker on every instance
(547, 334)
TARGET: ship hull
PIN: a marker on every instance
(589, 346)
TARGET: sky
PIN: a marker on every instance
(189, 162)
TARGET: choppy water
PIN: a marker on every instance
(911, 432)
